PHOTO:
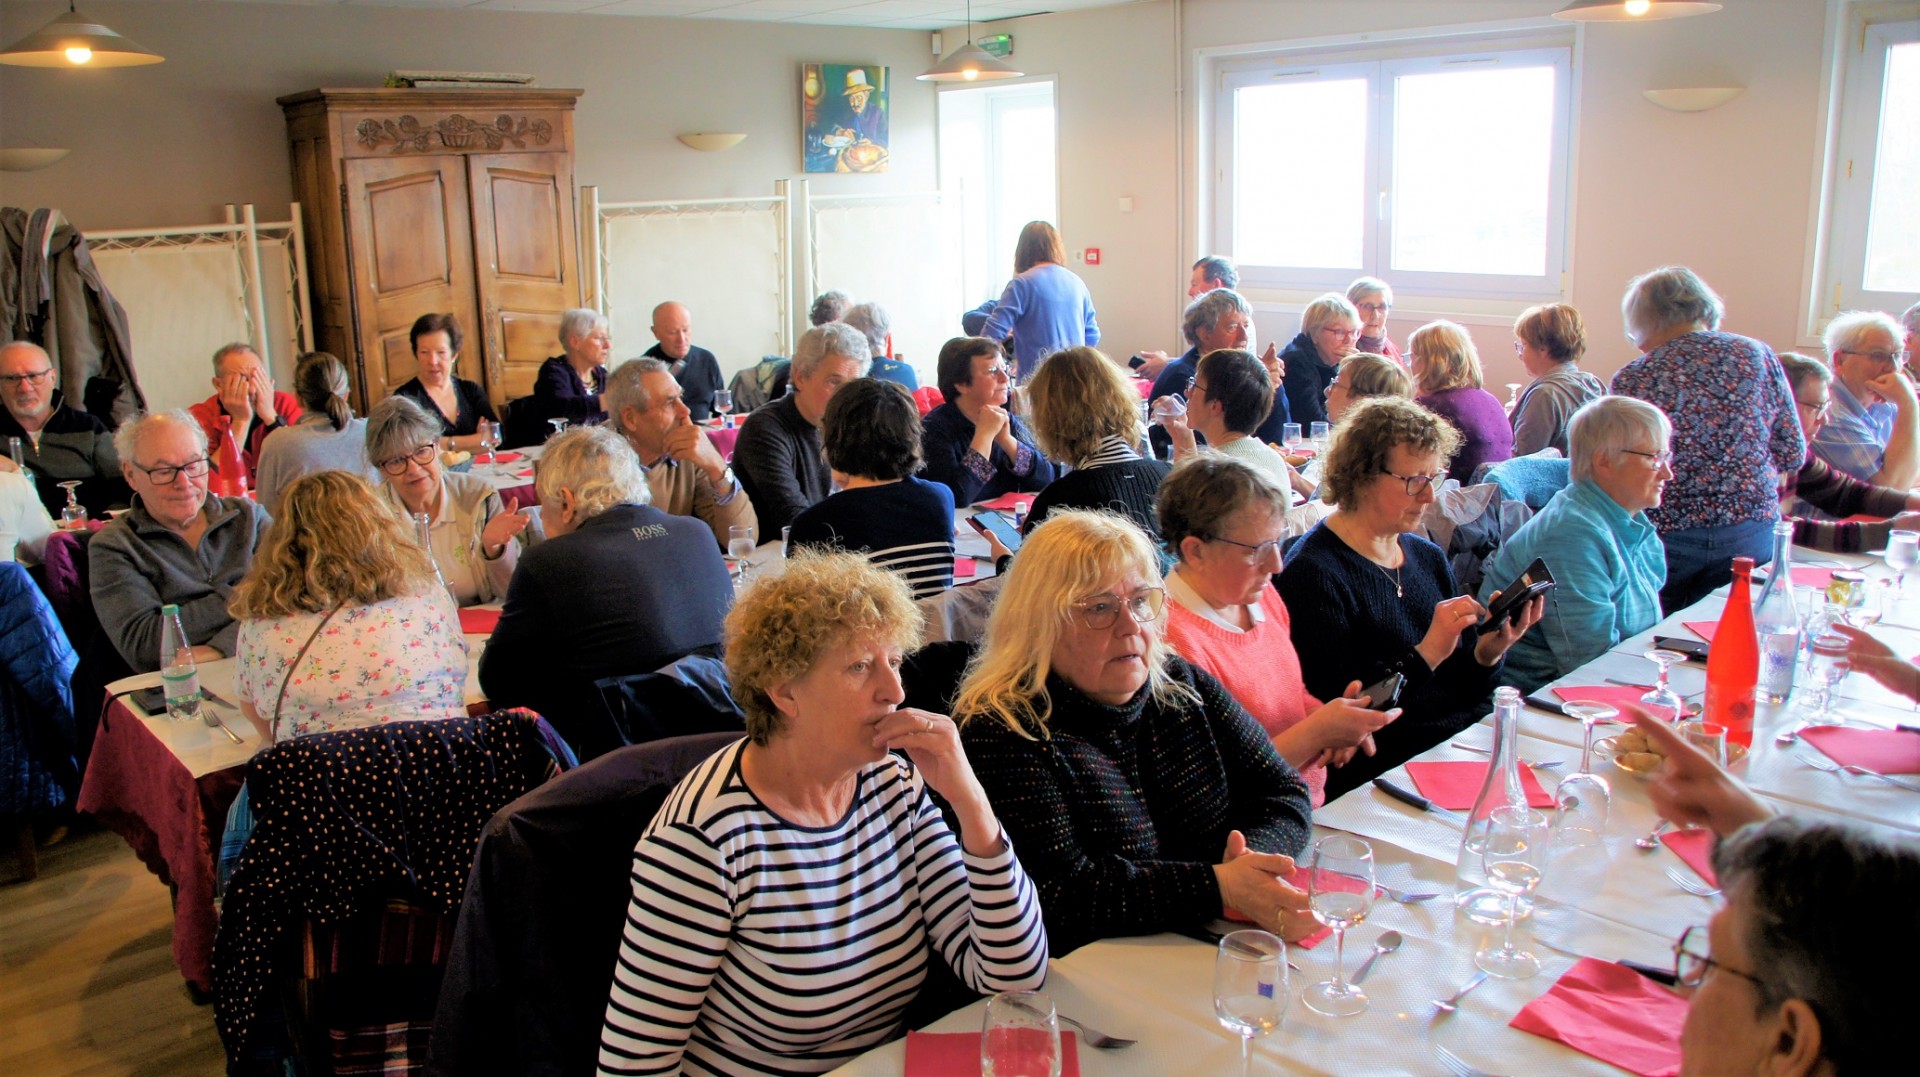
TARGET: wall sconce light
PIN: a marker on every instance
(1694, 98)
(28, 158)
(712, 142)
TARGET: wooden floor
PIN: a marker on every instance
(87, 980)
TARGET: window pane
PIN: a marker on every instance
(1472, 171)
(1299, 161)
(1893, 257)
(1025, 151)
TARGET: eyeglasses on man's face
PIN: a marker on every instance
(35, 377)
(397, 465)
(165, 474)
(1690, 967)
(1893, 358)
(1101, 611)
(1418, 484)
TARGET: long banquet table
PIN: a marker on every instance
(1614, 902)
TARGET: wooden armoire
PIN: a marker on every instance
(454, 201)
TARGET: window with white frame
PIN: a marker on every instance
(1440, 166)
(1874, 253)
(997, 148)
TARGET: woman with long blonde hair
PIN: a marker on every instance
(343, 622)
(1141, 796)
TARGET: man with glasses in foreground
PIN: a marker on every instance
(1873, 433)
(57, 441)
(178, 545)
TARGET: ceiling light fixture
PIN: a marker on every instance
(75, 40)
(1633, 10)
(970, 62)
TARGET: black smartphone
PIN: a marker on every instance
(1531, 584)
(1137, 362)
(152, 700)
(1695, 650)
(990, 522)
(1384, 693)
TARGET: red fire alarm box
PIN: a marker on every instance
(1093, 256)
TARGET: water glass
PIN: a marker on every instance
(1317, 434)
(73, 516)
(740, 547)
(1290, 436)
(1515, 860)
(1250, 989)
(1868, 608)
(489, 437)
(1335, 855)
(786, 540)
(1583, 799)
(1903, 552)
(723, 403)
(1020, 1036)
(1831, 664)
(1709, 737)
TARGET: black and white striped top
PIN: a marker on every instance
(905, 527)
(756, 946)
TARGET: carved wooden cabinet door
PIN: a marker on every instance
(523, 260)
(412, 234)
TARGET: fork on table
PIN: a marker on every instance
(1456, 1065)
(1691, 886)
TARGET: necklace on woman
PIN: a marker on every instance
(1398, 590)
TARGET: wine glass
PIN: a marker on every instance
(73, 516)
(723, 403)
(1317, 434)
(1583, 798)
(1515, 859)
(1831, 664)
(489, 437)
(1020, 1036)
(1335, 855)
(740, 547)
(558, 425)
(1903, 552)
(1250, 987)
(1290, 437)
(1871, 605)
(1661, 699)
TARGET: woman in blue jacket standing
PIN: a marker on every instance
(1045, 307)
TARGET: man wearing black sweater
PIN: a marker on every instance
(694, 367)
(777, 457)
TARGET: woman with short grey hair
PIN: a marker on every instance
(568, 386)
(829, 306)
(872, 320)
(1734, 429)
(473, 536)
(1329, 327)
(1372, 298)
(1596, 539)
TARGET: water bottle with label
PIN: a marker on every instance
(1777, 622)
(178, 677)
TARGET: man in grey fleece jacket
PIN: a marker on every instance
(177, 545)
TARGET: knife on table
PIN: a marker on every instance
(1540, 702)
(1409, 797)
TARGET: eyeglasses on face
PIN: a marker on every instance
(1101, 611)
(1256, 552)
(1820, 408)
(997, 372)
(1418, 484)
(1663, 458)
(397, 465)
(1374, 308)
(1340, 331)
(1884, 358)
(1689, 968)
(36, 377)
(165, 474)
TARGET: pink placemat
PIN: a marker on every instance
(1006, 502)
(1454, 783)
(1611, 1013)
(1703, 629)
(964, 568)
(957, 1054)
(479, 622)
(1610, 694)
(1888, 751)
(1695, 849)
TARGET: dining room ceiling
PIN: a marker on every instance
(880, 14)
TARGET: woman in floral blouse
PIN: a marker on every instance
(342, 622)
(1734, 430)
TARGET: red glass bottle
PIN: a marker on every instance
(1733, 664)
(229, 471)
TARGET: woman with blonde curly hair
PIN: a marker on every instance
(1141, 795)
(809, 861)
(1446, 370)
(343, 623)
(1086, 416)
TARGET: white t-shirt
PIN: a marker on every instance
(24, 523)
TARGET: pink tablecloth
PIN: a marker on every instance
(1144, 386)
(140, 791)
(723, 438)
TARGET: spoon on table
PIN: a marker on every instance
(1651, 839)
(1386, 944)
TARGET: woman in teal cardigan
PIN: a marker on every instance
(1595, 537)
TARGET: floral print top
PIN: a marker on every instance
(400, 659)
(1734, 428)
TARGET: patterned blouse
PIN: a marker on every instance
(1734, 427)
(400, 659)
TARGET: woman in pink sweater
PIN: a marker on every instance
(1223, 522)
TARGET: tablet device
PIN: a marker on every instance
(1532, 583)
(991, 522)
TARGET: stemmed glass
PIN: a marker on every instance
(1515, 859)
(1250, 987)
(1290, 437)
(1661, 699)
(723, 403)
(489, 437)
(1867, 611)
(1903, 552)
(1020, 1036)
(1584, 797)
(1830, 666)
(1339, 854)
(74, 516)
(558, 425)
(740, 547)
(1317, 435)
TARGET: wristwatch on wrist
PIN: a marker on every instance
(727, 488)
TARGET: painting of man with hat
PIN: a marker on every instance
(844, 117)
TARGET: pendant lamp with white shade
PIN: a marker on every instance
(1633, 10)
(970, 62)
(75, 40)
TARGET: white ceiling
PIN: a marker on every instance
(884, 14)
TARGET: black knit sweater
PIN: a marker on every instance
(1120, 813)
(1126, 488)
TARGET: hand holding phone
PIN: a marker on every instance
(1513, 598)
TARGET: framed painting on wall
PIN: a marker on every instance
(843, 117)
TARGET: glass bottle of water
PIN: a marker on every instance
(1472, 894)
(178, 677)
(1777, 622)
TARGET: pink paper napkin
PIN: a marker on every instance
(1610, 694)
(1889, 751)
(479, 622)
(957, 1054)
(1703, 629)
(1453, 784)
(964, 568)
(1695, 849)
(1006, 502)
(523, 473)
(505, 457)
(1611, 1013)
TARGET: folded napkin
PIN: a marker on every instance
(1889, 751)
(1329, 880)
(1610, 694)
(964, 568)
(524, 473)
(1611, 1013)
(1454, 783)
(957, 1054)
(505, 457)
(1006, 502)
(479, 622)
(1703, 629)
(1695, 849)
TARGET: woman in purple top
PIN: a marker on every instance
(1045, 307)
(1446, 374)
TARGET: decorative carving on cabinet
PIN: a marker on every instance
(456, 132)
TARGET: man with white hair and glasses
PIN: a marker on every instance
(1873, 433)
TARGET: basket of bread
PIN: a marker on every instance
(1632, 752)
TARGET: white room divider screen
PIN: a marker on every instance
(901, 251)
